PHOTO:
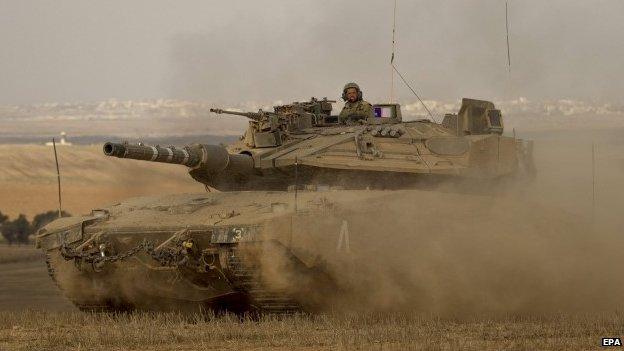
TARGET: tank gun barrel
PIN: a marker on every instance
(185, 156)
(256, 116)
(211, 165)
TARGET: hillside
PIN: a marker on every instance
(28, 181)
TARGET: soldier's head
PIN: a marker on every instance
(351, 92)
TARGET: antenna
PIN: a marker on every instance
(392, 57)
(414, 92)
(394, 69)
(58, 177)
(593, 181)
(507, 31)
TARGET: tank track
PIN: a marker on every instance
(247, 279)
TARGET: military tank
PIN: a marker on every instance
(278, 248)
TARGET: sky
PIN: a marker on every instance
(270, 50)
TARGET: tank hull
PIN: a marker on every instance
(161, 254)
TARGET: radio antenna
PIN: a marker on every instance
(58, 178)
(392, 57)
(414, 92)
(507, 31)
(593, 160)
(394, 69)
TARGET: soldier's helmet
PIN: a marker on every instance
(351, 85)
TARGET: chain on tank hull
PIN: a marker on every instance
(137, 284)
(139, 287)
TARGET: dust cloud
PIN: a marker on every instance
(510, 248)
(520, 248)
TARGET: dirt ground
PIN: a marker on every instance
(25, 282)
(35, 316)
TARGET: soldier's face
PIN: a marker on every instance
(352, 95)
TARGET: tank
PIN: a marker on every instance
(275, 236)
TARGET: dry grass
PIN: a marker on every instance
(33, 330)
(19, 253)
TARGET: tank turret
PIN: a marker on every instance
(302, 143)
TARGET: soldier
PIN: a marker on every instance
(355, 108)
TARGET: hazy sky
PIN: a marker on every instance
(292, 49)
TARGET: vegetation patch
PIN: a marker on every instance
(19, 230)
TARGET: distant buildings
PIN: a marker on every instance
(62, 142)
